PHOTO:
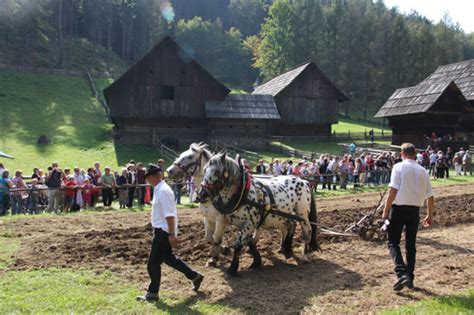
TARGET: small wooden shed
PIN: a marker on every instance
(414, 113)
(306, 99)
(242, 119)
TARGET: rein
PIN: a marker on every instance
(235, 201)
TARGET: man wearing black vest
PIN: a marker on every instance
(409, 187)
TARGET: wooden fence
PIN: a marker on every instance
(53, 71)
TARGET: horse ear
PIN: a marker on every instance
(238, 159)
(223, 156)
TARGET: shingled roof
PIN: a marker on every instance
(416, 99)
(243, 106)
(276, 85)
(462, 73)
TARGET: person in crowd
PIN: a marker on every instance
(123, 183)
(87, 192)
(107, 183)
(277, 167)
(79, 181)
(132, 181)
(457, 162)
(363, 170)
(35, 173)
(5, 186)
(370, 168)
(270, 169)
(18, 206)
(2, 169)
(97, 170)
(323, 168)
(357, 171)
(441, 165)
(433, 158)
(95, 191)
(289, 169)
(190, 187)
(68, 186)
(177, 188)
(343, 169)
(352, 148)
(53, 181)
(161, 163)
(372, 136)
(33, 196)
(261, 168)
(141, 182)
(467, 163)
(332, 171)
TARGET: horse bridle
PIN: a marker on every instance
(196, 164)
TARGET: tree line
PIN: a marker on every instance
(366, 48)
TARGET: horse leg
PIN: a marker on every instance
(216, 240)
(257, 259)
(245, 235)
(287, 245)
(306, 234)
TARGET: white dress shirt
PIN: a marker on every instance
(163, 206)
(412, 182)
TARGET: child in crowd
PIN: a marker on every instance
(87, 193)
(122, 180)
(68, 186)
(34, 196)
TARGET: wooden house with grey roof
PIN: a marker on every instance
(306, 100)
(242, 119)
(462, 73)
(414, 113)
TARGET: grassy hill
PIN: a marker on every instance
(62, 109)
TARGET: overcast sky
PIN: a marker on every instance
(460, 11)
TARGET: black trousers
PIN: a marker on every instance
(131, 192)
(107, 196)
(408, 217)
(161, 252)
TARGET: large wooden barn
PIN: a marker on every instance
(163, 96)
(167, 96)
(443, 103)
(414, 113)
(306, 99)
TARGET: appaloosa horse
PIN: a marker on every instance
(251, 203)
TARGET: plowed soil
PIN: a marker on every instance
(350, 275)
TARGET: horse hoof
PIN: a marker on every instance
(288, 255)
(211, 263)
(256, 266)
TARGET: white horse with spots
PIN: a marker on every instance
(251, 204)
(191, 163)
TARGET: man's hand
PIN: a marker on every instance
(427, 221)
(173, 241)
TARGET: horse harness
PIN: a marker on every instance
(196, 164)
(240, 199)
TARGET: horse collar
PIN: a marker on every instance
(238, 198)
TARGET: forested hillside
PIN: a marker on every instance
(366, 48)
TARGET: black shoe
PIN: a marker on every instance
(148, 297)
(410, 285)
(197, 282)
(401, 283)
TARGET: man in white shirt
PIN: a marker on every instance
(410, 186)
(164, 221)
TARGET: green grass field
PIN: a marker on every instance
(346, 125)
(63, 109)
(444, 305)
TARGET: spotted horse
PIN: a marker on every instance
(191, 163)
(252, 204)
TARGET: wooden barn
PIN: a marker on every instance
(462, 73)
(162, 97)
(306, 100)
(414, 113)
(242, 119)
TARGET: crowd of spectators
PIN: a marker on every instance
(365, 169)
(64, 190)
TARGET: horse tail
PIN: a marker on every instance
(313, 218)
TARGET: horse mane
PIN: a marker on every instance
(203, 148)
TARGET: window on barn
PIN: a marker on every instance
(167, 92)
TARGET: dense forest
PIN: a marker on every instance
(367, 49)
